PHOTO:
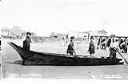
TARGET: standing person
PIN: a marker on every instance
(98, 44)
(120, 41)
(124, 45)
(114, 47)
(27, 41)
(91, 49)
(108, 44)
(103, 43)
(70, 49)
(120, 44)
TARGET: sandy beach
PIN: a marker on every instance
(11, 69)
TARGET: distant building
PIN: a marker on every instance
(57, 35)
(81, 35)
(15, 32)
(5, 31)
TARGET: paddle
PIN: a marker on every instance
(123, 57)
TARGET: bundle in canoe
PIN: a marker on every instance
(43, 58)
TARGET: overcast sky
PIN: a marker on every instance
(44, 16)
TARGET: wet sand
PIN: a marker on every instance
(11, 69)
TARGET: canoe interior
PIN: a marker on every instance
(43, 58)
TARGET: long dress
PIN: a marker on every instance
(70, 49)
(91, 48)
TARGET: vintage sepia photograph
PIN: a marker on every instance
(64, 39)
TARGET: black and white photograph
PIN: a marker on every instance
(64, 39)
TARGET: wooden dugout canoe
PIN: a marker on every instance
(43, 58)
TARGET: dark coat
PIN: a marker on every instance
(70, 48)
(26, 43)
(91, 48)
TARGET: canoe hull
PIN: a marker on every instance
(37, 58)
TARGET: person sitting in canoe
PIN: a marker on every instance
(91, 49)
(70, 49)
(27, 41)
(114, 47)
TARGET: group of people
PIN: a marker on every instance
(112, 44)
(104, 43)
(71, 50)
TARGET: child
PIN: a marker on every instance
(70, 49)
(91, 49)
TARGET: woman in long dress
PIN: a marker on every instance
(70, 49)
(91, 49)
